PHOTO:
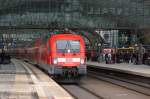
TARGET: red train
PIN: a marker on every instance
(58, 54)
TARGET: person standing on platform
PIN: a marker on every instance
(117, 57)
(135, 58)
(106, 58)
(145, 57)
(92, 55)
(125, 57)
(109, 58)
(113, 57)
(2, 55)
(121, 57)
(128, 57)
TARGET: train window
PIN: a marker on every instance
(49, 49)
(75, 45)
(64, 46)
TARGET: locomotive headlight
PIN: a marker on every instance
(82, 61)
(55, 60)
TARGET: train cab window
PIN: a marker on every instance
(64, 45)
(75, 45)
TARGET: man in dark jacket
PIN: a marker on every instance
(106, 58)
(2, 56)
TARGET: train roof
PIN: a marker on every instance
(67, 34)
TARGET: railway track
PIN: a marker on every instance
(109, 86)
(79, 92)
(131, 82)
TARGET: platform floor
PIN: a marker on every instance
(141, 70)
(20, 80)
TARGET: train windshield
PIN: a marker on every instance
(68, 46)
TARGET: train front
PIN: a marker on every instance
(68, 55)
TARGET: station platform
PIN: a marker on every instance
(20, 80)
(140, 70)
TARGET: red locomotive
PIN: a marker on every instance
(59, 54)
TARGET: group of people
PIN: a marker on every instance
(125, 57)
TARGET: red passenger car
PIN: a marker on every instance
(59, 54)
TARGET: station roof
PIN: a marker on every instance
(85, 15)
(113, 14)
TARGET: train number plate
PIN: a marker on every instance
(69, 59)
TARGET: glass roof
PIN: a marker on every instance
(113, 14)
